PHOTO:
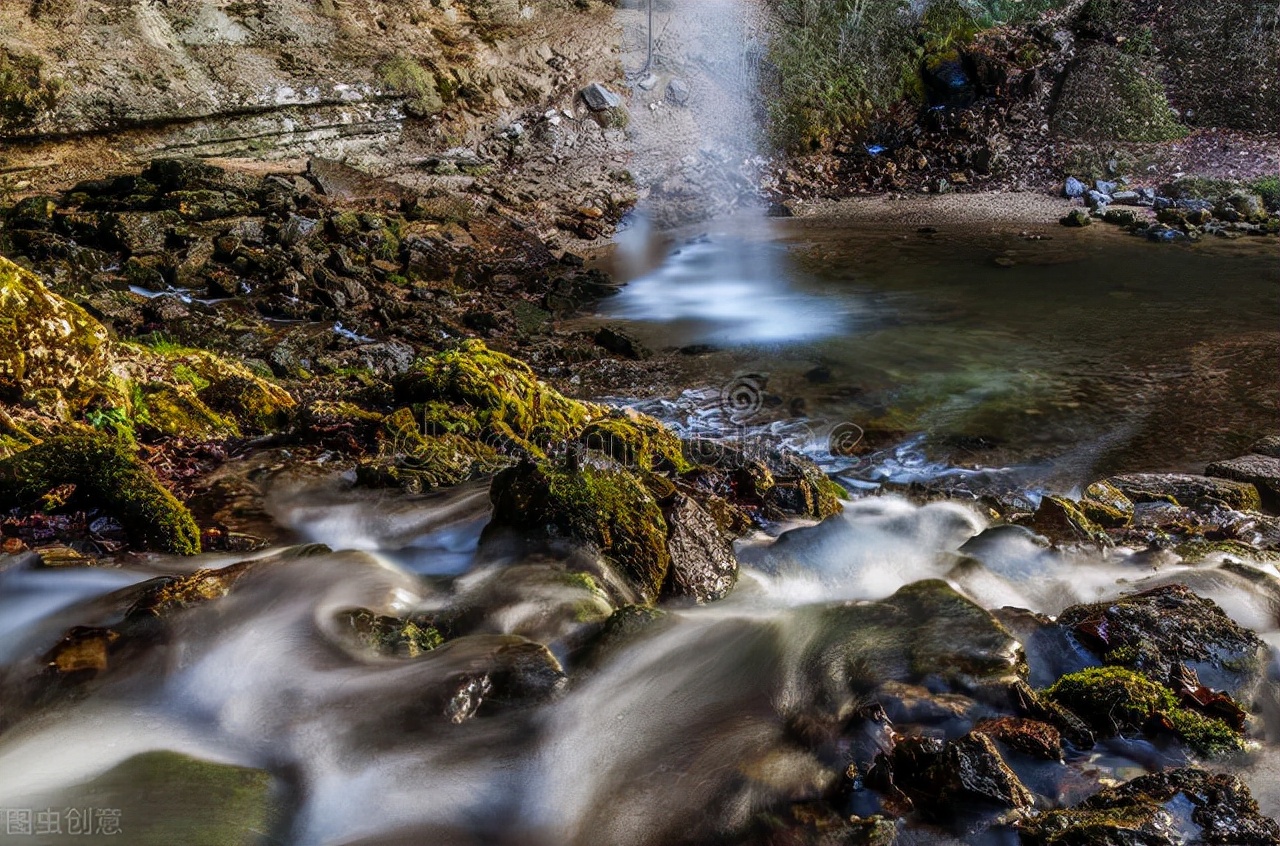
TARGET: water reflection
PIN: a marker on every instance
(729, 288)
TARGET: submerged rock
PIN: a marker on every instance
(703, 566)
(1185, 805)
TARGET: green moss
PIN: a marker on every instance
(637, 441)
(392, 636)
(604, 506)
(46, 342)
(405, 76)
(165, 798)
(416, 460)
(176, 411)
(1105, 504)
(1116, 96)
(1113, 700)
(108, 476)
(1268, 188)
(501, 392)
(167, 594)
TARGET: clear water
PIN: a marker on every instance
(1073, 357)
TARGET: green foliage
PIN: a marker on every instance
(24, 93)
(1268, 188)
(405, 76)
(841, 60)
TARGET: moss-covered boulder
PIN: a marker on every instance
(601, 504)
(46, 342)
(165, 797)
(1185, 805)
(1156, 631)
(1115, 701)
(107, 475)
(500, 392)
(1114, 96)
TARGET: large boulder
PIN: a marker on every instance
(46, 342)
(599, 504)
(1186, 489)
(1260, 471)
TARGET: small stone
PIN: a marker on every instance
(1076, 218)
(1073, 188)
(599, 99)
(677, 92)
(1126, 198)
(1104, 187)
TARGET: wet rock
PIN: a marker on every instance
(703, 565)
(165, 595)
(598, 98)
(1041, 708)
(1106, 505)
(1115, 701)
(1187, 490)
(956, 778)
(925, 633)
(1259, 471)
(1157, 630)
(601, 505)
(1185, 805)
(1030, 737)
(46, 342)
(619, 341)
(1061, 519)
(390, 636)
(81, 649)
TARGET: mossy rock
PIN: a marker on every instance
(1062, 519)
(176, 411)
(167, 594)
(1187, 490)
(164, 798)
(46, 342)
(1106, 505)
(258, 405)
(602, 505)
(501, 392)
(637, 440)
(1115, 701)
(416, 461)
(106, 475)
(1155, 631)
(391, 636)
(1110, 95)
(925, 633)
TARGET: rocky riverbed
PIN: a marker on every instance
(348, 496)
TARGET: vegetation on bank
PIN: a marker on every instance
(839, 61)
